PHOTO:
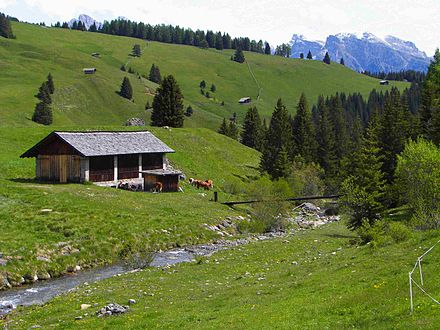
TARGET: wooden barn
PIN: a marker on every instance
(103, 157)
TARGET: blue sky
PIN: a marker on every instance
(274, 21)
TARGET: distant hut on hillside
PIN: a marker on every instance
(244, 100)
(104, 157)
(96, 55)
(89, 70)
(384, 82)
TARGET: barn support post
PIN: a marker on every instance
(140, 166)
(38, 167)
(164, 159)
(115, 168)
(85, 169)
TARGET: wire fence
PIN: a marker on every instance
(420, 286)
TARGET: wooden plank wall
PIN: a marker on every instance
(59, 168)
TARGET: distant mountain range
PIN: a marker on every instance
(365, 52)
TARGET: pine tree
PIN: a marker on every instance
(282, 164)
(267, 49)
(224, 128)
(278, 137)
(44, 93)
(136, 50)
(123, 67)
(325, 138)
(252, 132)
(301, 56)
(93, 28)
(155, 75)
(189, 111)
(168, 104)
(202, 84)
(304, 143)
(50, 84)
(309, 55)
(213, 88)
(326, 59)
(238, 56)
(42, 114)
(126, 89)
(342, 61)
(430, 108)
(5, 27)
(364, 188)
(392, 132)
(233, 130)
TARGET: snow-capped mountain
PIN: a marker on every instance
(86, 20)
(364, 52)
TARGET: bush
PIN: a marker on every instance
(398, 232)
(305, 179)
(268, 215)
(418, 180)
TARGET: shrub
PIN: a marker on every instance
(398, 232)
(418, 180)
(268, 215)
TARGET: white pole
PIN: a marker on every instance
(411, 293)
(420, 270)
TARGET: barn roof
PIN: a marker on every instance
(105, 143)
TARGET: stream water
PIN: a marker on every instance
(42, 291)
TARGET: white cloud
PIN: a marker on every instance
(274, 21)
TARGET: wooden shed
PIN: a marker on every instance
(97, 156)
(244, 100)
(168, 178)
(89, 70)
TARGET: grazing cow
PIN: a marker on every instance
(158, 186)
(207, 184)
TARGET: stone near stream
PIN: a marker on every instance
(112, 309)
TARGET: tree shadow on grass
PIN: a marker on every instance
(24, 180)
(341, 236)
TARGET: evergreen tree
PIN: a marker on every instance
(281, 167)
(301, 56)
(126, 89)
(189, 111)
(364, 188)
(309, 55)
(430, 107)
(340, 128)
(168, 104)
(5, 27)
(219, 41)
(50, 84)
(136, 50)
(325, 138)
(304, 143)
(203, 44)
(326, 59)
(392, 132)
(252, 132)
(93, 28)
(213, 88)
(239, 56)
(278, 138)
(267, 49)
(42, 114)
(224, 128)
(202, 84)
(342, 61)
(44, 93)
(122, 67)
(155, 75)
(233, 130)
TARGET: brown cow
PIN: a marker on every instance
(158, 186)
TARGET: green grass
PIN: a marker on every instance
(78, 99)
(104, 223)
(334, 285)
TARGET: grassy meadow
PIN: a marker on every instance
(93, 99)
(312, 280)
(107, 224)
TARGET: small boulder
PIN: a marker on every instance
(135, 122)
(131, 301)
(85, 306)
